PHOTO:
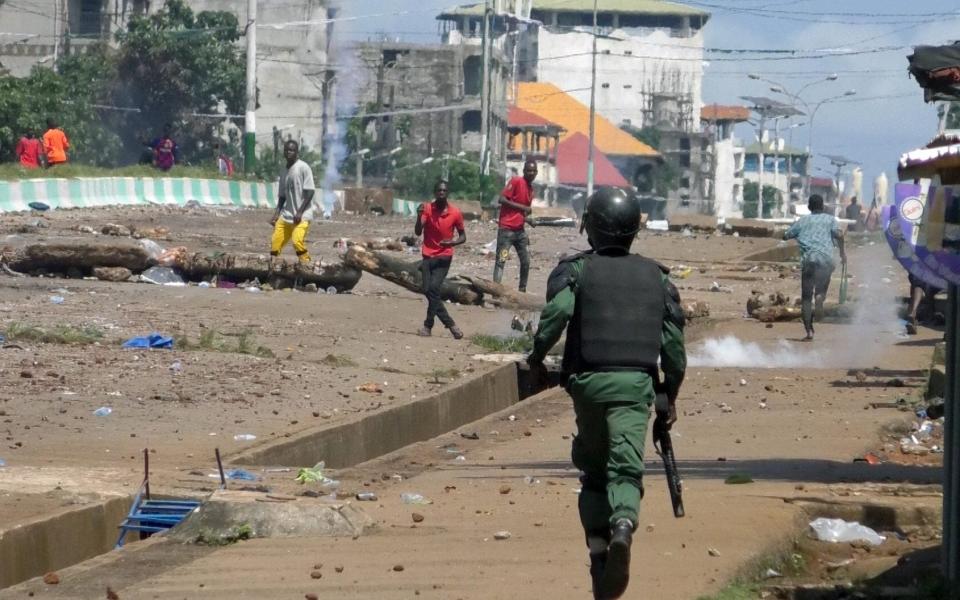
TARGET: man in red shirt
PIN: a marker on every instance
(515, 204)
(30, 151)
(437, 221)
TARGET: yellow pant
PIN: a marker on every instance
(283, 232)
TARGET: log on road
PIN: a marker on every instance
(279, 272)
(460, 289)
(77, 257)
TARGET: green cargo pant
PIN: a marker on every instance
(613, 410)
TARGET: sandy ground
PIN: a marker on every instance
(802, 423)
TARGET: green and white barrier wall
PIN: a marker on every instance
(87, 192)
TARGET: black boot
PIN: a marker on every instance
(598, 563)
(616, 575)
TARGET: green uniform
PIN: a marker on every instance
(612, 408)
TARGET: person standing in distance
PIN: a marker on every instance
(817, 234)
(437, 222)
(294, 205)
(55, 144)
(515, 201)
(622, 316)
(29, 151)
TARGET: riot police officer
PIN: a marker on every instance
(622, 316)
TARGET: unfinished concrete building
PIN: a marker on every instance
(427, 98)
(292, 59)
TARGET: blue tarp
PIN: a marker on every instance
(154, 340)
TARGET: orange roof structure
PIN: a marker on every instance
(555, 105)
(719, 112)
(517, 117)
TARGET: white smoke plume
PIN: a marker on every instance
(730, 351)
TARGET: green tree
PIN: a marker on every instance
(416, 181)
(772, 200)
(176, 65)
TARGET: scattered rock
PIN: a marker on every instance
(311, 597)
(370, 388)
(398, 568)
(310, 287)
(713, 552)
(502, 535)
(112, 273)
(504, 489)
(338, 568)
(316, 575)
(51, 578)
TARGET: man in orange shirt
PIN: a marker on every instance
(437, 222)
(56, 144)
(30, 151)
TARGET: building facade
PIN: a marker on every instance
(428, 99)
(292, 65)
(784, 168)
(647, 49)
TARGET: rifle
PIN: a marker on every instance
(664, 447)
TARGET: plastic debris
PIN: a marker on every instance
(57, 299)
(154, 340)
(502, 535)
(331, 290)
(39, 206)
(176, 368)
(102, 411)
(244, 437)
(366, 497)
(414, 498)
(240, 474)
(315, 475)
(162, 276)
(838, 530)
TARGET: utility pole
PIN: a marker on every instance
(593, 107)
(56, 33)
(776, 157)
(485, 93)
(250, 118)
(763, 122)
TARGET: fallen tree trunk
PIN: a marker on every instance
(279, 272)
(460, 289)
(76, 256)
(407, 274)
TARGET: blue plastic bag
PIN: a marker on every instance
(240, 474)
(154, 340)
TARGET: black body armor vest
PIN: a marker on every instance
(618, 318)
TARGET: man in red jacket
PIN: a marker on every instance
(437, 222)
(515, 204)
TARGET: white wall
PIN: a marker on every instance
(657, 63)
(728, 194)
(18, 53)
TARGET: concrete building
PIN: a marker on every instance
(649, 49)
(533, 137)
(727, 158)
(292, 67)
(434, 93)
(632, 158)
(784, 168)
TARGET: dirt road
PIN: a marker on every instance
(798, 425)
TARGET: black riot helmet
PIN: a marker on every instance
(611, 219)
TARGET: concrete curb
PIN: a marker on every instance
(378, 434)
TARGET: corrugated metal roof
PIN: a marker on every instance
(517, 117)
(572, 164)
(629, 7)
(553, 104)
(720, 112)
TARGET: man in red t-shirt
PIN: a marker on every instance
(30, 151)
(437, 221)
(515, 204)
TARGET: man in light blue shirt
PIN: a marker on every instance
(817, 234)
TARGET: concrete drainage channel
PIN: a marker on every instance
(55, 542)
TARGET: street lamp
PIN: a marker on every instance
(813, 114)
